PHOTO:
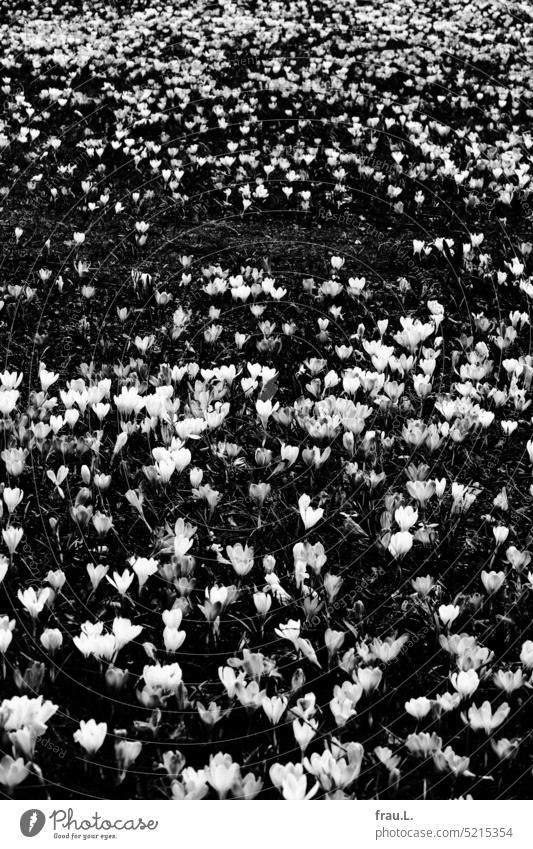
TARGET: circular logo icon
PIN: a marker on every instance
(32, 822)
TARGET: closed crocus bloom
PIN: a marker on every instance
(172, 618)
(12, 772)
(262, 602)
(115, 678)
(289, 453)
(500, 534)
(12, 537)
(91, 735)
(265, 409)
(173, 638)
(51, 640)
(509, 681)
(181, 457)
(222, 773)
(333, 641)
(221, 595)
(195, 477)
(259, 492)
(274, 707)
(400, 544)
(4, 566)
(332, 585)
(263, 456)
(466, 683)
(96, 573)
(440, 486)
(121, 440)
(482, 718)
(8, 400)
(56, 579)
(310, 516)
(304, 732)
(102, 482)
(71, 417)
(12, 497)
(7, 626)
(127, 752)
(405, 517)
(526, 654)
(102, 523)
(101, 410)
(306, 647)
(518, 559)
(182, 544)
(124, 632)
(229, 679)
(369, 677)
(47, 378)
(492, 581)
(448, 613)
(419, 708)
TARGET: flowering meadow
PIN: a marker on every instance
(265, 408)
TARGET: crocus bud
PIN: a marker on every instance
(195, 477)
(448, 613)
(263, 602)
(492, 581)
(51, 640)
(269, 563)
(115, 678)
(127, 752)
(333, 641)
(500, 534)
